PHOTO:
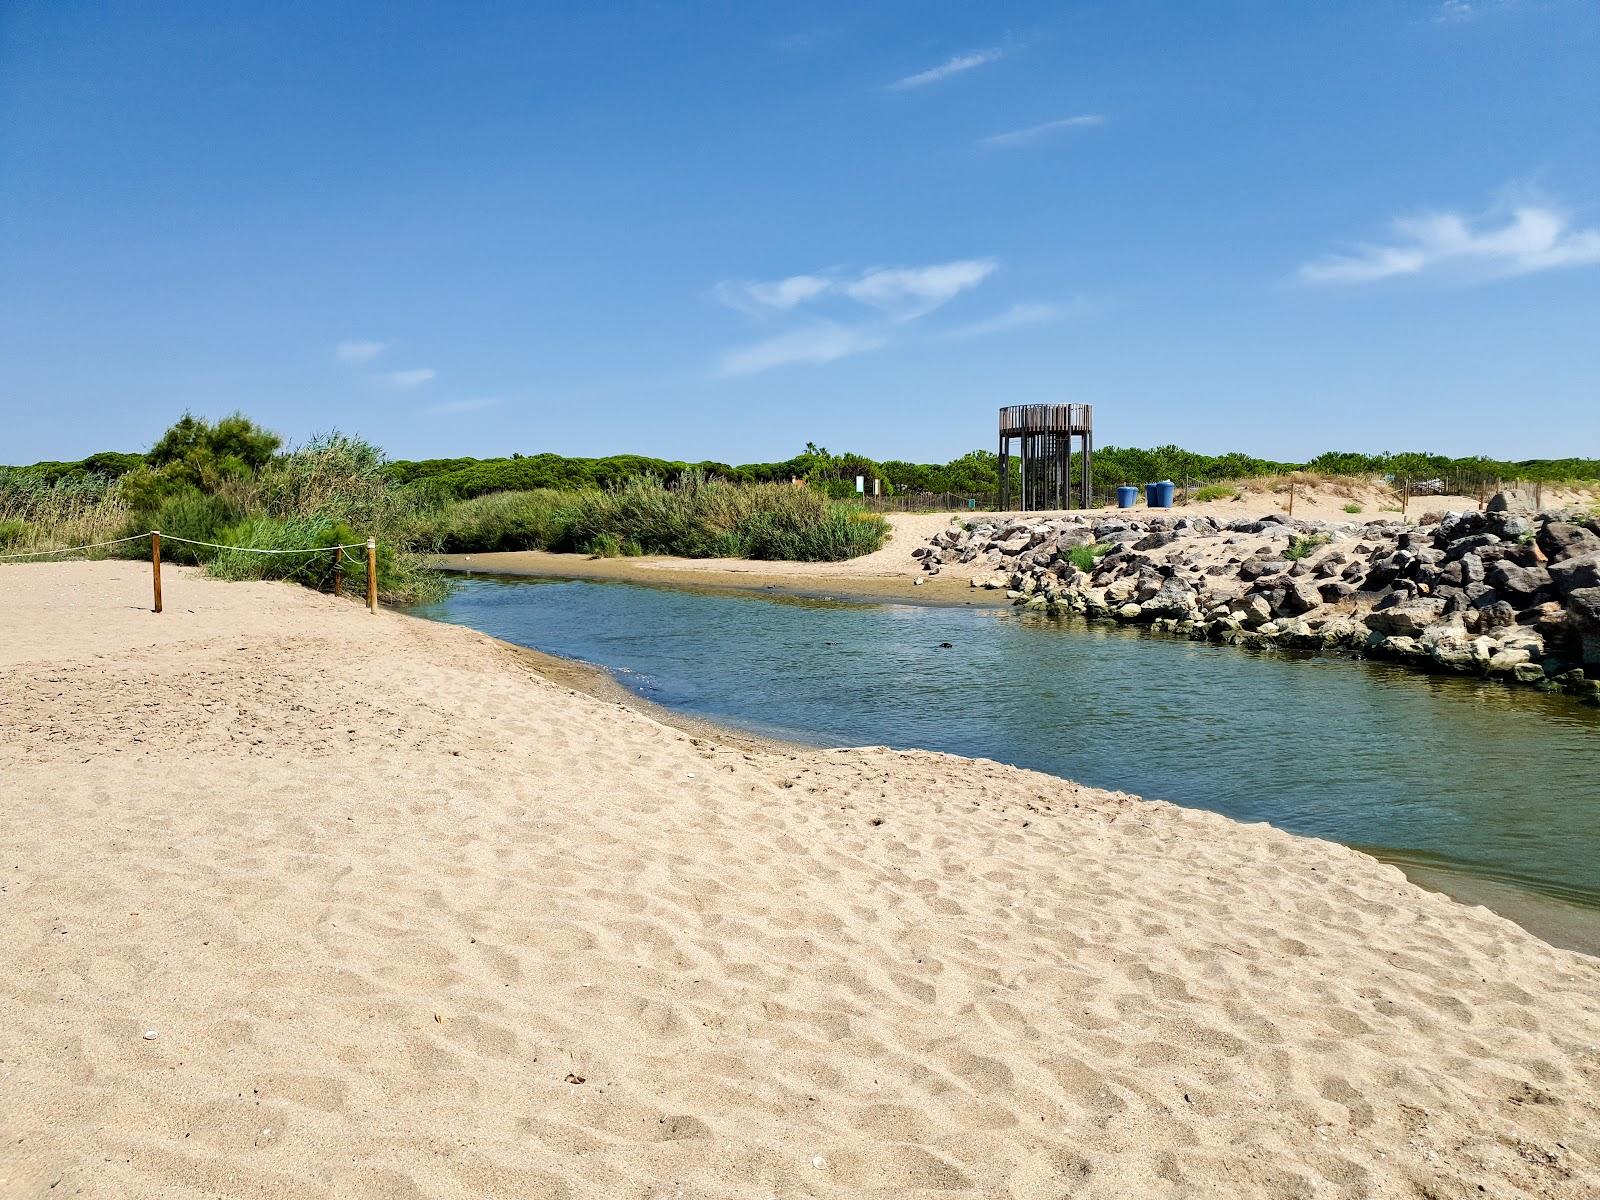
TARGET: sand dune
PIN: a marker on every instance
(296, 901)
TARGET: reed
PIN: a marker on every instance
(697, 517)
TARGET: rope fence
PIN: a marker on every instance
(337, 550)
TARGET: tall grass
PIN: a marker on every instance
(37, 514)
(695, 518)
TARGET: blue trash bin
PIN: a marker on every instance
(1127, 496)
(1150, 495)
(1164, 493)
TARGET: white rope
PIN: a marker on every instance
(70, 549)
(167, 537)
(256, 550)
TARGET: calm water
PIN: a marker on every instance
(1433, 773)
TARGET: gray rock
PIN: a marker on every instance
(1458, 525)
(1573, 574)
(1501, 502)
(1299, 596)
(1560, 540)
(1256, 568)
(1336, 590)
(1408, 619)
(1518, 584)
(1174, 599)
(1466, 545)
(1583, 607)
(1508, 526)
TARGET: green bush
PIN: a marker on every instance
(188, 513)
(1300, 545)
(1215, 491)
(604, 545)
(500, 521)
(695, 518)
(1352, 507)
(13, 532)
(1084, 557)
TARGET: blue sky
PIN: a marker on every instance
(720, 230)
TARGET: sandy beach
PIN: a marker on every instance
(302, 902)
(891, 573)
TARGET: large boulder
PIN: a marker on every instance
(1518, 584)
(1174, 599)
(1476, 542)
(1503, 502)
(1456, 525)
(1509, 526)
(1583, 612)
(1299, 596)
(1408, 619)
(1561, 540)
(1572, 574)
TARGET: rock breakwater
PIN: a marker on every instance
(1500, 593)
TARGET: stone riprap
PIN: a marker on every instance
(1504, 594)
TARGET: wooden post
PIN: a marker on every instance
(1291, 497)
(1538, 496)
(155, 564)
(338, 570)
(1405, 499)
(372, 574)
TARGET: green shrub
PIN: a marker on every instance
(1084, 557)
(499, 521)
(13, 532)
(695, 518)
(1215, 491)
(604, 545)
(1300, 545)
(1352, 507)
(186, 514)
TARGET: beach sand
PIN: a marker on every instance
(300, 902)
(891, 573)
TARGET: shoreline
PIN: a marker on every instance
(758, 579)
(427, 922)
(1558, 922)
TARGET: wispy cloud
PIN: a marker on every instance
(951, 66)
(875, 302)
(814, 345)
(1531, 238)
(909, 292)
(1021, 316)
(780, 295)
(1459, 12)
(452, 407)
(415, 377)
(1014, 138)
(902, 292)
(358, 352)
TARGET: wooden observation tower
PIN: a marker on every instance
(1045, 433)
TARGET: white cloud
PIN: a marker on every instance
(892, 295)
(1533, 238)
(909, 292)
(781, 294)
(814, 345)
(451, 407)
(951, 66)
(903, 292)
(358, 352)
(415, 377)
(1020, 316)
(1014, 138)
